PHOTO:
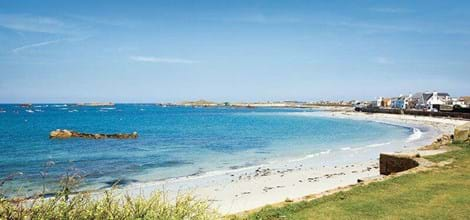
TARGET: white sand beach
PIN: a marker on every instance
(234, 191)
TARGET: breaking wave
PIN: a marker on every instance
(417, 133)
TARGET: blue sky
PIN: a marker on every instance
(155, 51)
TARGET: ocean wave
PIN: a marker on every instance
(204, 174)
(417, 133)
(365, 147)
(377, 145)
(311, 155)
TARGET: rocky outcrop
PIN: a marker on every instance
(394, 163)
(64, 134)
(444, 140)
(60, 134)
(462, 132)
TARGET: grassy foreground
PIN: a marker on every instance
(83, 206)
(441, 193)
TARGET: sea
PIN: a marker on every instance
(173, 142)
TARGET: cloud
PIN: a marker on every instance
(71, 25)
(376, 27)
(106, 21)
(391, 10)
(420, 28)
(29, 23)
(40, 44)
(161, 60)
(45, 43)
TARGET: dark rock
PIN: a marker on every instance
(394, 163)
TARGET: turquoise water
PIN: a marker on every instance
(173, 141)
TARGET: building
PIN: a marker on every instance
(380, 101)
(465, 99)
(409, 103)
(462, 102)
(437, 99)
(398, 102)
(384, 102)
(419, 100)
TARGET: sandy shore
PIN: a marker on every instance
(244, 189)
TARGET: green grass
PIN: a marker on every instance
(441, 193)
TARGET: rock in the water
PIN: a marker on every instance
(63, 134)
(394, 163)
(60, 134)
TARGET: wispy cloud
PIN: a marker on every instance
(391, 10)
(149, 59)
(40, 44)
(106, 21)
(29, 23)
(48, 42)
(420, 28)
(376, 27)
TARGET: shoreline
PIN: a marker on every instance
(248, 188)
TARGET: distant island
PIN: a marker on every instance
(96, 104)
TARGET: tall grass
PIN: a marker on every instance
(67, 204)
(107, 206)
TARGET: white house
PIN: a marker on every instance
(408, 102)
(437, 99)
(457, 101)
(462, 102)
(380, 101)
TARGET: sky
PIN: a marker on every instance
(170, 51)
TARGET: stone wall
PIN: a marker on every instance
(394, 163)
